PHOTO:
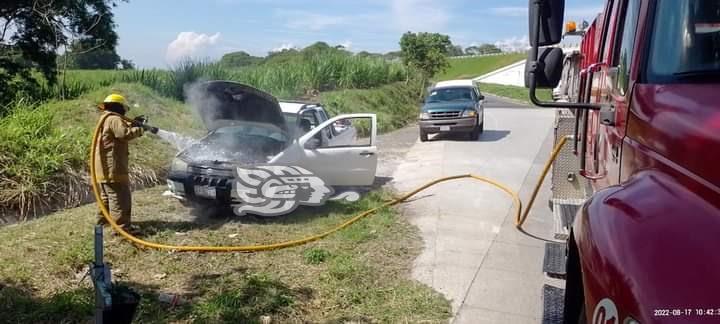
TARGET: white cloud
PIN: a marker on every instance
(513, 44)
(346, 44)
(419, 15)
(190, 44)
(572, 13)
(285, 46)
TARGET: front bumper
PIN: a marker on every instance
(200, 187)
(466, 124)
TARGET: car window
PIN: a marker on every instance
(450, 94)
(323, 115)
(311, 116)
(351, 132)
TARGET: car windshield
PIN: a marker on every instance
(686, 41)
(450, 94)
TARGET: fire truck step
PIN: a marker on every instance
(553, 301)
(555, 260)
(564, 211)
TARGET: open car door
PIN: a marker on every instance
(348, 158)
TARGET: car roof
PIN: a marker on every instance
(455, 83)
(294, 107)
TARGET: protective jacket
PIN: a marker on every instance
(111, 157)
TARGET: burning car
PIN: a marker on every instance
(248, 127)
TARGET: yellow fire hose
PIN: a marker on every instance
(520, 216)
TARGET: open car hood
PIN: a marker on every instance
(222, 102)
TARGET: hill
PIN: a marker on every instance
(466, 68)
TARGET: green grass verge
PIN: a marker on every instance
(45, 147)
(514, 92)
(467, 68)
(358, 275)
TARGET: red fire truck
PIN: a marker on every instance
(643, 94)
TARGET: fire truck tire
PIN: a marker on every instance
(574, 308)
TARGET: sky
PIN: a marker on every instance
(158, 33)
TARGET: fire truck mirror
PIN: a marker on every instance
(546, 21)
(548, 68)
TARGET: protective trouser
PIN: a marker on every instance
(117, 199)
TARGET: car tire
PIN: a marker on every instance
(474, 135)
(481, 126)
(423, 136)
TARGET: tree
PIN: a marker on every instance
(32, 31)
(426, 52)
(239, 59)
(472, 50)
(82, 56)
(368, 54)
(282, 56)
(391, 56)
(455, 50)
(489, 49)
(482, 49)
(127, 64)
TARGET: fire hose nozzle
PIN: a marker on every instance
(150, 129)
(141, 121)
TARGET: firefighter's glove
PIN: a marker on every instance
(139, 121)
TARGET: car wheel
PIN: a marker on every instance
(481, 127)
(423, 136)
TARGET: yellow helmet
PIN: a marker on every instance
(115, 98)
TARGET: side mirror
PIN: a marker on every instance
(312, 143)
(545, 21)
(481, 98)
(341, 125)
(548, 67)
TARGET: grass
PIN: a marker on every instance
(467, 68)
(357, 275)
(305, 73)
(45, 147)
(514, 92)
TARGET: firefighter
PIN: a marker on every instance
(111, 159)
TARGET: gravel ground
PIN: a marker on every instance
(392, 148)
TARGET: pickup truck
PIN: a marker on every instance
(454, 106)
(248, 127)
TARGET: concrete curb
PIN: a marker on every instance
(515, 101)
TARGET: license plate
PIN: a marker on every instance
(444, 128)
(204, 191)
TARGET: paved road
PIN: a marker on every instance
(473, 254)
